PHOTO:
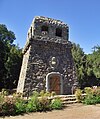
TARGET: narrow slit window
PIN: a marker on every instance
(59, 32)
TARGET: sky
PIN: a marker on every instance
(82, 17)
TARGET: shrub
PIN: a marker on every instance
(32, 106)
(44, 104)
(53, 93)
(1, 99)
(88, 90)
(3, 93)
(89, 100)
(6, 104)
(78, 95)
(45, 94)
(98, 99)
(96, 91)
(17, 105)
(92, 97)
(42, 93)
(35, 94)
(56, 104)
(33, 103)
(20, 106)
(7, 107)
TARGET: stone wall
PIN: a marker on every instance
(23, 72)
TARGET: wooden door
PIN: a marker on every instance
(55, 84)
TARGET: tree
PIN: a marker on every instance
(80, 63)
(10, 58)
(96, 61)
(87, 66)
(93, 64)
(13, 65)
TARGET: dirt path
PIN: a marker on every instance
(73, 111)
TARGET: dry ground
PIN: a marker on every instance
(72, 111)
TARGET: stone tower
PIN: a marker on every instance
(47, 60)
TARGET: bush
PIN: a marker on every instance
(92, 97)
(78, 95)
(45, 94)
(20, 106)
(53, 93)
(3, 93)
(17, 105)
(33, 103)
(98, 99)
(7, 107)
(88, 90)
(1, 99)
(31, 107)
(89, 100)
(42, 93)
(96, 91)
(56, 104)
(44, 104)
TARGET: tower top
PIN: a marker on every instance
(50, 21)
(48, 27)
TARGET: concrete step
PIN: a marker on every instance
(69, 102)
(68, 99)
(65, 95)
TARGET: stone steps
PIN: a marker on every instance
(69, 102)
(66, 99)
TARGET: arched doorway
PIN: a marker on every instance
(54, 82)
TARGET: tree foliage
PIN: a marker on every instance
(10, 59)
(87, 66)
(80, 63)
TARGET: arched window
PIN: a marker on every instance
(44, 28)
(59, 32)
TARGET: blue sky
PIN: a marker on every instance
(82, 17)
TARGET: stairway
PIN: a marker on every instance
(67, 99)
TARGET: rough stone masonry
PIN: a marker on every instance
(47, 59)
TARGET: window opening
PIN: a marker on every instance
(44, 28)
(59, 32)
